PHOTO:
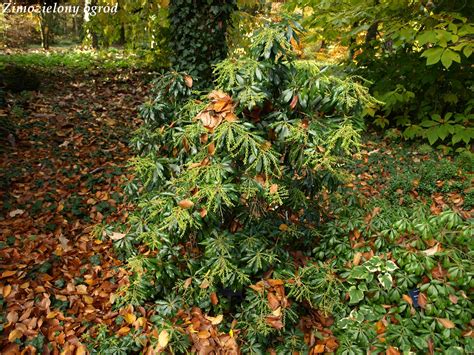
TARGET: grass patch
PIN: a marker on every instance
(75, 59)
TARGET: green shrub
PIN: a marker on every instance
(228, 188)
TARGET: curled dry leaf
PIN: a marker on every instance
(294, 102)
(187, 282)
(223, 105)
(217, 95)
(230, 117)
(274, 322)
(185, 204)
(215, 320)
(214, 299)
(8, 273)
(210, 121)
(318, 349)
(211, 148)
(117, 236)
(273, 301)
(432, 251)
(188, 80)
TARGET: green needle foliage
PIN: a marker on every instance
(228, 183)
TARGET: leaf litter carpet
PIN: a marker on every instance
(58, 185)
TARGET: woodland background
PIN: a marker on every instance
(224, 177)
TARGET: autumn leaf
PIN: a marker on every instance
(7, 289)
(222, 105)
(446, 323)
(453, 298)
(163, 339)
(294, 102)
(130, 318)
(392, 351)
(214, 299)
(273, 188)
(185, 204)
(273, 300)
(12, 317)
(188, 80)
(215, 320)
(274, 322)
(187, 282)
(15, 334)
(8, 273)
(210, 121)
(117, 236)
(204, 334)
(422, 300)
(357, 258)
(318, 349)
(432, 251)
(408, 299)
(123, 331)
(230, 117)
(81, 350)
(16, 212)
(204, 284)
(211, 148)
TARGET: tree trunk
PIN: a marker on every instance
(198, 30)
(91, 35)
(45, 26)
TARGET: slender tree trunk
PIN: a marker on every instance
(91, 35)
(122, 38)
(45, 26)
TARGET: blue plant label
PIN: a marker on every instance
(414, 294)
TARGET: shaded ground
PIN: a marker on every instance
(57, 273)
(61, 185)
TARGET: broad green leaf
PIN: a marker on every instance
(467, 51)
(427, 37)
(432, 55)
(391, 266)
(448, 57)
(385, 280)
(464, 134)
(412, 131)
(432, 135)
(355, 295)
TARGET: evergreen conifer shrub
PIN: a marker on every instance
(228, 186)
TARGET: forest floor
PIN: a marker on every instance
(61, 190)
(58, 186)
